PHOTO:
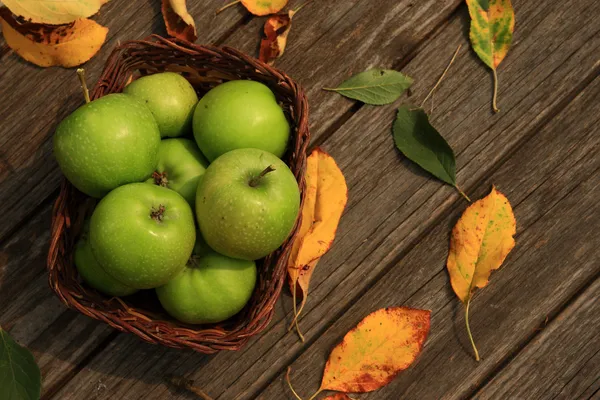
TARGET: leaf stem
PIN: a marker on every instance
(316, 394)
(442, 76)
(86, 92)
(296, 313)
(494, 98)
(186, 384)
(226, 6)
(301, 6)
(469, 330)
(287, 378)
(463, 194)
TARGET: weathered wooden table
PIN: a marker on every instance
(538, 322)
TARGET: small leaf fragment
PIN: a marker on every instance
(480, 242)
(264, 7)
(180, 24)
(337, 396)
(276, 30)
(55, 12)
(20, 377)
(421, 143)
(375, 86)
(44, 45)
(382, 345)
(492, 26)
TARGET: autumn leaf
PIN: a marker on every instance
(44, 45)
(337, 396)
(55, 12)
(481, 240)
(421, 143)
(492, 26)
(178, 20)
(324, 203)
(382, 345)
(259, 7)
(20, 377)
(276, 29)
(375, 86)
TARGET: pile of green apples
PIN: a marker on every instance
(192, 192)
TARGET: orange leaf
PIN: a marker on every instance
(324, 202)
(264, 7)
(481, 240)
(50, 45)
(277, 27)
(178, 20)
(386, 342)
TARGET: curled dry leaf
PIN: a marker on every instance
(55, 12)
(44, 45)
(277, 27)
(481, 240)
(179, 22)
(324, 203)
(382, 345)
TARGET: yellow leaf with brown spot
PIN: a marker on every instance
(44, 45)
(178, 21)
(382, 345)
(55, 12)
(325, 198)
(481, 240)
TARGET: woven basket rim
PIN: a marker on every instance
(204, 66)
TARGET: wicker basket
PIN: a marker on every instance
(141, 314)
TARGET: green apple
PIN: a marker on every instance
(180, 166)
(247, 203)
(211, 288)
(107, 143)
(170, 97)
(142, 235)
(240, 114)
(92, 273)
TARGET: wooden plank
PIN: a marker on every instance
(406, 204)
(34, 100)
(331, 41)
(551, 181)
(565, 357)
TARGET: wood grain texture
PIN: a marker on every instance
(563, 361)
(406, 204)
(555, 256)
(52, 93)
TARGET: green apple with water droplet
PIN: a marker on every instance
(106, 143)
(142, 235)
(170, 98)
(211, 288)
(247, 203)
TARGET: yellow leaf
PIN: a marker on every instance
(383, 344)
(179, 22)
(65, 45)
(55, 12)
(481, 240)
(264, 7)
(324, 202)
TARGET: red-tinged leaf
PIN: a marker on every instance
(337, 396)
(178, 20)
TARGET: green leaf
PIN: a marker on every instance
(20, 377)
(421, 143)
(375, 86)
(492, 26)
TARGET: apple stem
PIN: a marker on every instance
(160, 178)
(86, 92)
(157, 213)
(256, 180)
